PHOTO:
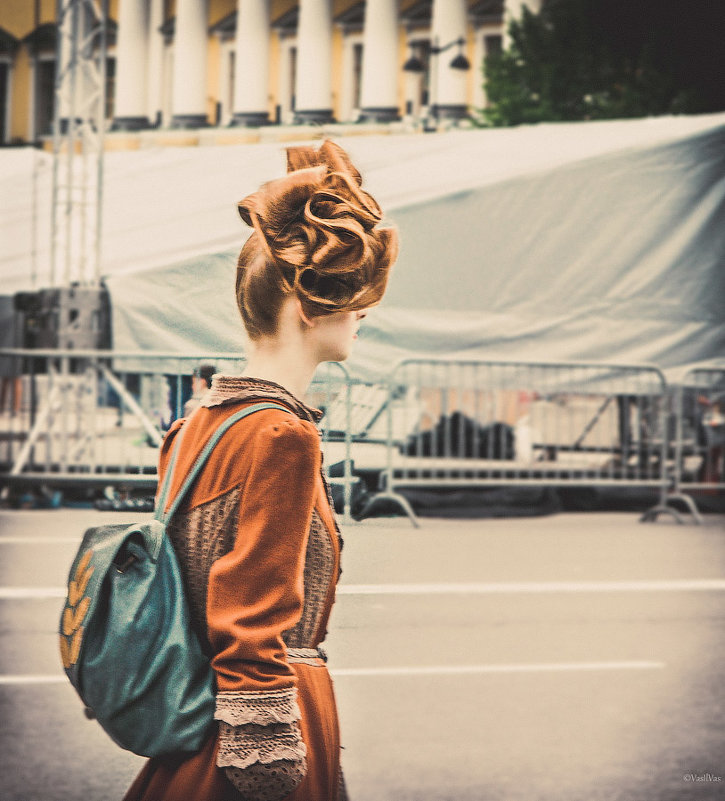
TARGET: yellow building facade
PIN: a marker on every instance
(195, 63)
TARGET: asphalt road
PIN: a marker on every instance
(577, 657)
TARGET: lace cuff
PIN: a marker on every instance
(264, 763)
(261, 707)
(241, 746)
(259, 727)
(272, 782)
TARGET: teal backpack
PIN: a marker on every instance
(126, 640)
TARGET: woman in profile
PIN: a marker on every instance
(256, 536)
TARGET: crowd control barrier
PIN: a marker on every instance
(456, 424)
(70, 418)
(699, 441)
(73, 418)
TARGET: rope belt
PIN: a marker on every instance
(306, 656)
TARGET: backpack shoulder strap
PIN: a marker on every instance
(164, 517)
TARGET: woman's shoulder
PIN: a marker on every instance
(283, 431)
(271, 430)
(274, 445)
(264, 426)
(275, 449)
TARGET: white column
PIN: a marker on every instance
(313, 90)
(188, 89)
(448, 88)
(155, 64)
(130, 105)
(251, 64)
(379, 96)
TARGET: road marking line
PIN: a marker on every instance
(51, 678)
(506, 588)
(36, 539)
(675, 585)
(27, 593)
(543, 667)
(416, 670)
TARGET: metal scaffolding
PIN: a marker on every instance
(69, 311)
(78, 133)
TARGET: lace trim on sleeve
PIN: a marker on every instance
(241, 746)
(272, 782)
(257, 706)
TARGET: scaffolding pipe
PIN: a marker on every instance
(78, 133)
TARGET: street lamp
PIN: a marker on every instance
(415, 65)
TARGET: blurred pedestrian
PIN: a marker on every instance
(200, 384)
(256, 537)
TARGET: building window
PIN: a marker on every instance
(44, 96)
(231, 68)
(292, 77)
(110, 87)
(421, 49)
(357, 61)
(4, 99)
(492, 44)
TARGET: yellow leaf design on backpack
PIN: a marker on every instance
(83, 582)
(65, 652)
(73, 593)
(75, 648)
(67, 621)
(75, 612)
(83, 564)
(81, 612)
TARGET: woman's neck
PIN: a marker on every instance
(287, 367)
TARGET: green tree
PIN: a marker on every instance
(570, 62)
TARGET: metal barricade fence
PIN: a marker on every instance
(454, 424)
(699, 442)
(330, 392)
(72, 418)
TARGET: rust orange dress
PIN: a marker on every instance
(259, 548)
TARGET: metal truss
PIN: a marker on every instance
(78, 132)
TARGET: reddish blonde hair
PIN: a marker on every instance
(315, 236)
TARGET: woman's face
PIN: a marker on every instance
(335, 334)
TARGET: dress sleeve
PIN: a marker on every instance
(167, 445)
(256, 593)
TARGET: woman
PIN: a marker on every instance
(256, 537)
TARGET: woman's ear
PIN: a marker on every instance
(310, 322)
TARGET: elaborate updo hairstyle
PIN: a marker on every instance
(315, 236)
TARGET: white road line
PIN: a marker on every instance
(505, 588)
(29, 593)
(542, 667)
(40, 678)
(416, 670)
(676, 585)
(38, 539)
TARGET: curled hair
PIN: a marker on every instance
(316, 236)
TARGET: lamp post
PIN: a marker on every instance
(415, 65)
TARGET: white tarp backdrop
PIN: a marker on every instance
(585, 241)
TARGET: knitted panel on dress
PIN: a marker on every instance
(200, 537)
(208, 532)
(318, 574)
